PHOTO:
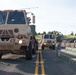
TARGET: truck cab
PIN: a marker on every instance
(15, 33)
(48, 40)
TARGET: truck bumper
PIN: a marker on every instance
(48, 45)
(9, 46)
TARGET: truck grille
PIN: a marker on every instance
(6, 33)
(49, 41)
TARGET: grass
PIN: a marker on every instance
(39, 36)
(69, 36)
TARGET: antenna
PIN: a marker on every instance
(30, 8)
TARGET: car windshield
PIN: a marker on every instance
(16, 17)
(2, 17)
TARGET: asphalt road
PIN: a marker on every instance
(59, 66)
(45, 62)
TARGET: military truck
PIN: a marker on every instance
(15, 33)
(48, 40)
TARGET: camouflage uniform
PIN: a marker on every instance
(58, 45)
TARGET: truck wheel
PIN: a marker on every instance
(53, 47)
(29, 52)
(49, 47)
(42, 47)
(0, 56)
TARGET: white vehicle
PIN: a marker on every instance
(48, 40)
(15, 33)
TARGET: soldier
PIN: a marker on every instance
(58, 45)
(34, 44)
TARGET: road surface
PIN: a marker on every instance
(45, 62)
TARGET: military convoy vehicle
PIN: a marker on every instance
(15, 33)
(48, 40)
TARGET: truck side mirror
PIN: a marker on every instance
(33, 19)
(28, 20)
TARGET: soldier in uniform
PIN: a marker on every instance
(58, 45)
(34, 44)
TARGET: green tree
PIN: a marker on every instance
(49, 32)
(44, 32)
(72, 33)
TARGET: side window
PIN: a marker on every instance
(52, 37)
(2, 17)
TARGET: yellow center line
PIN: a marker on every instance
(43, 71)
(37, 64)
(36, 68)
(41, 62)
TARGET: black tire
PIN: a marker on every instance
(49, 47)
(29, 52)
(34, 51)
(0, 56)
(12, 53)
(42, 47)
(53, 47)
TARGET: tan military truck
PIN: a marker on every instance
(48, 40)
(15, 33)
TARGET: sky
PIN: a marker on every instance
(58, 15)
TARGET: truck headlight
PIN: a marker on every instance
(53, 43)
(20, 41)
(44, 43)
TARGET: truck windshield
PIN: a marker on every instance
(46, 37)
(49, 37)
(16, 17)
(52, 37)
(2, 17)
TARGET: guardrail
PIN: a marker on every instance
(72, 45)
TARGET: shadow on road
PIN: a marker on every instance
(22, 66)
